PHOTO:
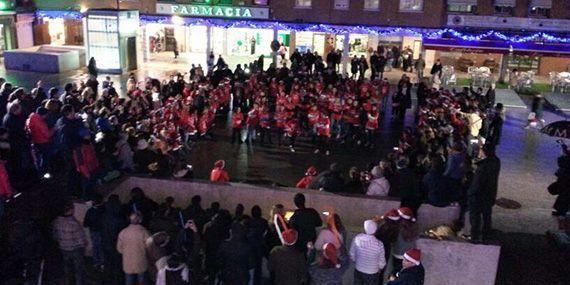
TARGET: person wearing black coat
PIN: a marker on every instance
(354, 66)
(236, 259)
(437, 68)
(406, 185)
(113, 222)
(304, 221)
(496, 126)
(483, 192)
(561, 186)
(413, 275)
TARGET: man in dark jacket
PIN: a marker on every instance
(305, 221)
(496, 126)
(286, 264)
(483, 192)
(236, 258)
(405, 185)
(94, 219)
(413, 272)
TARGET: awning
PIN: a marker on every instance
(462, 2)
(528, 48)
(546, 4)
(506, 3)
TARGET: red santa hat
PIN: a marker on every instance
(406, 214)
(413, 255)
(329, 252)
(311, 171)
(392, 214)
(220, 163)
(289, 237)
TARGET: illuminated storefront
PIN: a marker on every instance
(7, 26)
(111, 39)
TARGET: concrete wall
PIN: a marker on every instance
(353, 210)
(47, 59)
(457, 263)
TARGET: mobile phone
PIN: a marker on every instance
(326, 213)
(396, 148)
(474, 141)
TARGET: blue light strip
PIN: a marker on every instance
(332, 29)
(54, 14)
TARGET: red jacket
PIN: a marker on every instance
(280, 119)
(372, 123)
(304, 182)
(219, 175)
(85, 160)
(253, 118)
(237, 120)
(324, 127)
(265, 119)
(38, 129)
(291, 128)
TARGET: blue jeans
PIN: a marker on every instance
(96, 241)
(365, 279)
(133, 279)
(74, 264)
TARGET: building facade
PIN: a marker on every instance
(246, 28)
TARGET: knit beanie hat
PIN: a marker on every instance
(370, 227)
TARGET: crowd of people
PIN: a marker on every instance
(89, 134)
(143, 241)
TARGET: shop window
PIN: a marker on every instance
(461, 8)
(504, 10)
(539, 12)
(411, 5)
(371, 4)
(523, 62)
(303, 3)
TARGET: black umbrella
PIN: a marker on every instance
(560, 129)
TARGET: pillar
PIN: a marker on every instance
(345, 54)
(274, 53)
(208, 40)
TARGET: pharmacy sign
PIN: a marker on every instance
(239, 12)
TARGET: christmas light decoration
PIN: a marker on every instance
(69, 14)
(522, 37)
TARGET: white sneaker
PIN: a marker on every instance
(316, 151)
(327, 152)
(292, 150)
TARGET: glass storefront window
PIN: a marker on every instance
(304, 41)
(244, 41)
(104, 41)
(197, 39)
(358, 44)
(523, 62)
(2, 39)
(56, 28)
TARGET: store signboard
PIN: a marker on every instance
(239, 12)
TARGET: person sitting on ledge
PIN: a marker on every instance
(218, 174)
